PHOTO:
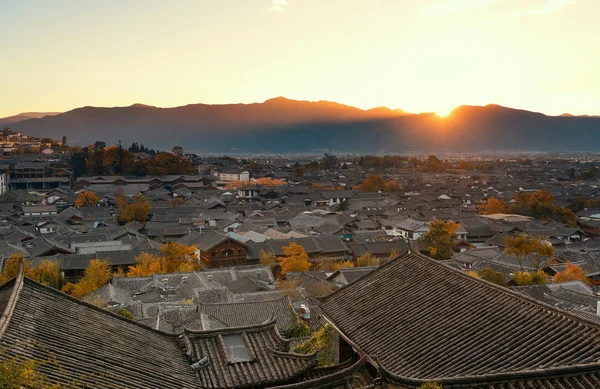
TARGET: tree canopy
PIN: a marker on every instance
(96, 275)
(294, 260)
(86, 198)
(528, 246)
(440, 239)
(139, 210)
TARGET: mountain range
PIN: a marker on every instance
(282, 125)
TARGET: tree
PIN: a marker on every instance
(322, 343)
(294, 260)
(167, 163)
(393, 186)
(299, 171)
(440, 239)
(11, 269)
(525, 245)
(593, 203)
(64, 140)
(367, 259)
(49, 274)
(17, 373)
(96, 275)
(335, 266)
(572, 272)
(86, 198)
(267, 258)
(179, 258)
(146, 265)
(6, 132)
(176, 202)
(78, 163)
(431, 385)
(330, 161)
(139, 210)
(492, 206)
(125, 313)
(492, 276)
(118, 159)
(540, 205)
(372, 183)
(522, 278)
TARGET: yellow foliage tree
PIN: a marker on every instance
(86, 198)
(522, 278)
(11, 268)
(341, 265)
(174, 258)
(147, 265)
(492, 206)
(96, 275)
(266, 181)
(294, 260)
(526, 245)
(49, 274)
(367, 259)
(267, 258)
(139, 210)
(439, 239)
(572, 272)
(373, 183)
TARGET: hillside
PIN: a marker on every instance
(24, 116)
(283, 125)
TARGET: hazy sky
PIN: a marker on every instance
(418, 55)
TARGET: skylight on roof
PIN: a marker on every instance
(236, 348)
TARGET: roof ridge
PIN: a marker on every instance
(12, 300)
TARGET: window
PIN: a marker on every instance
(227, 252)
(236, 348)
(240, 251)
(213, 253)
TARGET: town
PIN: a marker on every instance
(124, 267)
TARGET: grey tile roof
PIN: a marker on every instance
(425, 321)
(270, 363)
(99, 349)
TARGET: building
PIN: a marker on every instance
(177, 150)
(42, 324)
(218, 250)
(418, 321)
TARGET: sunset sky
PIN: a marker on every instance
(418, 55)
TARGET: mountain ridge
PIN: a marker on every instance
(286, 126)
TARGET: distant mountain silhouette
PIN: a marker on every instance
(24, 116)
(287, 126)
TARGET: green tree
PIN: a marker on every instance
(440, 239)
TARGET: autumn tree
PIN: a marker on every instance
(440, 239)
(523, 278)
(299, 171)
(167, 163)
(86, 198)
(11, 269)
(492, 206)
(49, 274)
(431, 385)
(593, 203)
(492, 276)
(179, 258)
(367, 259)
(139, 210)
(335, 266)
(176, 202)
(146, 265)
(571, 272)
(521, 246)
(373, 183)
(322, 343)
(125, 313)
(267, 258)
(96, 275)
(540, 205)
(295, 259)
(393, 186)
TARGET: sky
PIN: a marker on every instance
(417, 55)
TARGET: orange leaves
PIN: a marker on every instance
(492, 206)
(259, 181)
(174, 258)
(572, 272)
(439, 239)
(96, 275)
(139, 210)
(86, 198)
(295, 259)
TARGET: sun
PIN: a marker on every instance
(444, 112)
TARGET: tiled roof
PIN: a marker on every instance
(421, 320)
(244, 313)
(91, 347)
(270, 363)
